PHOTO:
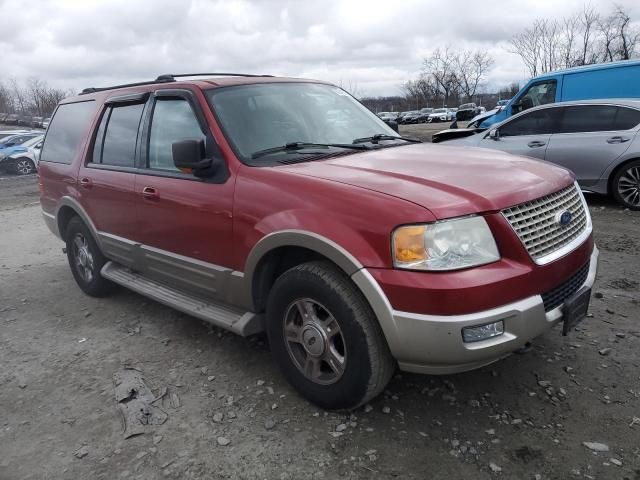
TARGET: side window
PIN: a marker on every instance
(589, 118)
(66, 132)
(627, 118)
(532, 123)
(173, 120)
(117, 135)
(537, 94)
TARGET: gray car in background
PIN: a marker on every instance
(597, 139)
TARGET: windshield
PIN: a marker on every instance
(440, 110)
(33, 141)
(263, 116)
(467, 105)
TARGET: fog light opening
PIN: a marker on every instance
(482, 332)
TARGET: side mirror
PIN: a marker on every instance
(494, 134)
(190, 155)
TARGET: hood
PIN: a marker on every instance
(447, 180)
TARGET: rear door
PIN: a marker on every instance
(591, 137)
(184, 222)
(106, 182)
(527, 134)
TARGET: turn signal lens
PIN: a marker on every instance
(408, 245)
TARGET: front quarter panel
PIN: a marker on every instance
(359, 221)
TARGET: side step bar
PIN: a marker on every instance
(225, 316)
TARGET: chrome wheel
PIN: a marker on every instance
(24, 166)
(314, 341)
(83, 257)
(629, 186)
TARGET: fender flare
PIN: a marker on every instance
(70, 202)
(296, 238)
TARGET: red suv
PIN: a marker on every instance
(284, 205)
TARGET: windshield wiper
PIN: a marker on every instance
(383, 136)
(293, 146)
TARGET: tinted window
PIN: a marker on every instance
(627, 118)
(66, 132)
(588, 118)
(173, 120)
(536, 95)
(532, 123)
(120, 135)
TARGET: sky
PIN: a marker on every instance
(370, 45)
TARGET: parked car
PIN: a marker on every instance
(413, 116)
(604, 80)
(36, 122)
(17, 139)
(502, 103)
(467, 111)
(12, 119)
(426, 111)
(390, 118)
(597, 139)
(45, 122)
(22, 159)
(11, 133)
(24, 120)
(3, 117)
(441, 115)
(354, 248)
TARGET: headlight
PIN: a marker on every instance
(447, 245)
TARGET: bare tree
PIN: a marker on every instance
(528, 45)
(6, 99)
(440, 66)
(471, 70)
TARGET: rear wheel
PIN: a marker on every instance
(86, 259)
(325, 337)
(626, 185)
(23, 166)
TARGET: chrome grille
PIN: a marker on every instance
(536, 225)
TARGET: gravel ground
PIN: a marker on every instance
(230, 414)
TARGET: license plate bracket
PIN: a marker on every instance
(575, 309)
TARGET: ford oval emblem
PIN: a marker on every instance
(563, 218)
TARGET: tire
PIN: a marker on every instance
(86, 260)
(329, 299)
(23, 166)
(626, 185)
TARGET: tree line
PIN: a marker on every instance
(32, 97)
(451, 76)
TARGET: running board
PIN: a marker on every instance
(225, 316)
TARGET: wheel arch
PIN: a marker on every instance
(68, 208)
(615, 171)
(279, 251)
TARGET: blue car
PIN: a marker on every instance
(601, 81)
(15, 140)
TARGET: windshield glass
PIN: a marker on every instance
(257, 117)
(467, 105)
(440, 110)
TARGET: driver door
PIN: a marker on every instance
(527, 134)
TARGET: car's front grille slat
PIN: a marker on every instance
(535, 221)
(558, 295)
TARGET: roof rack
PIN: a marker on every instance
(168, 77)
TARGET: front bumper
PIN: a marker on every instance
(432, 344)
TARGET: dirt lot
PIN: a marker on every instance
(231, 415)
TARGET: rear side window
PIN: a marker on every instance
(533, 123)
(117, 135)
(66, 132)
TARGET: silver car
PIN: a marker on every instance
(597, 139)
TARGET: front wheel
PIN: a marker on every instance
(626, 185)
(325, 337)
(23, 166)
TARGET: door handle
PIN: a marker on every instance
(617, 139)
(86, 182)
(536, 144)
(150, 192)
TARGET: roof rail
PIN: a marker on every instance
(172, 76)
(169, 77)
(136, 84)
